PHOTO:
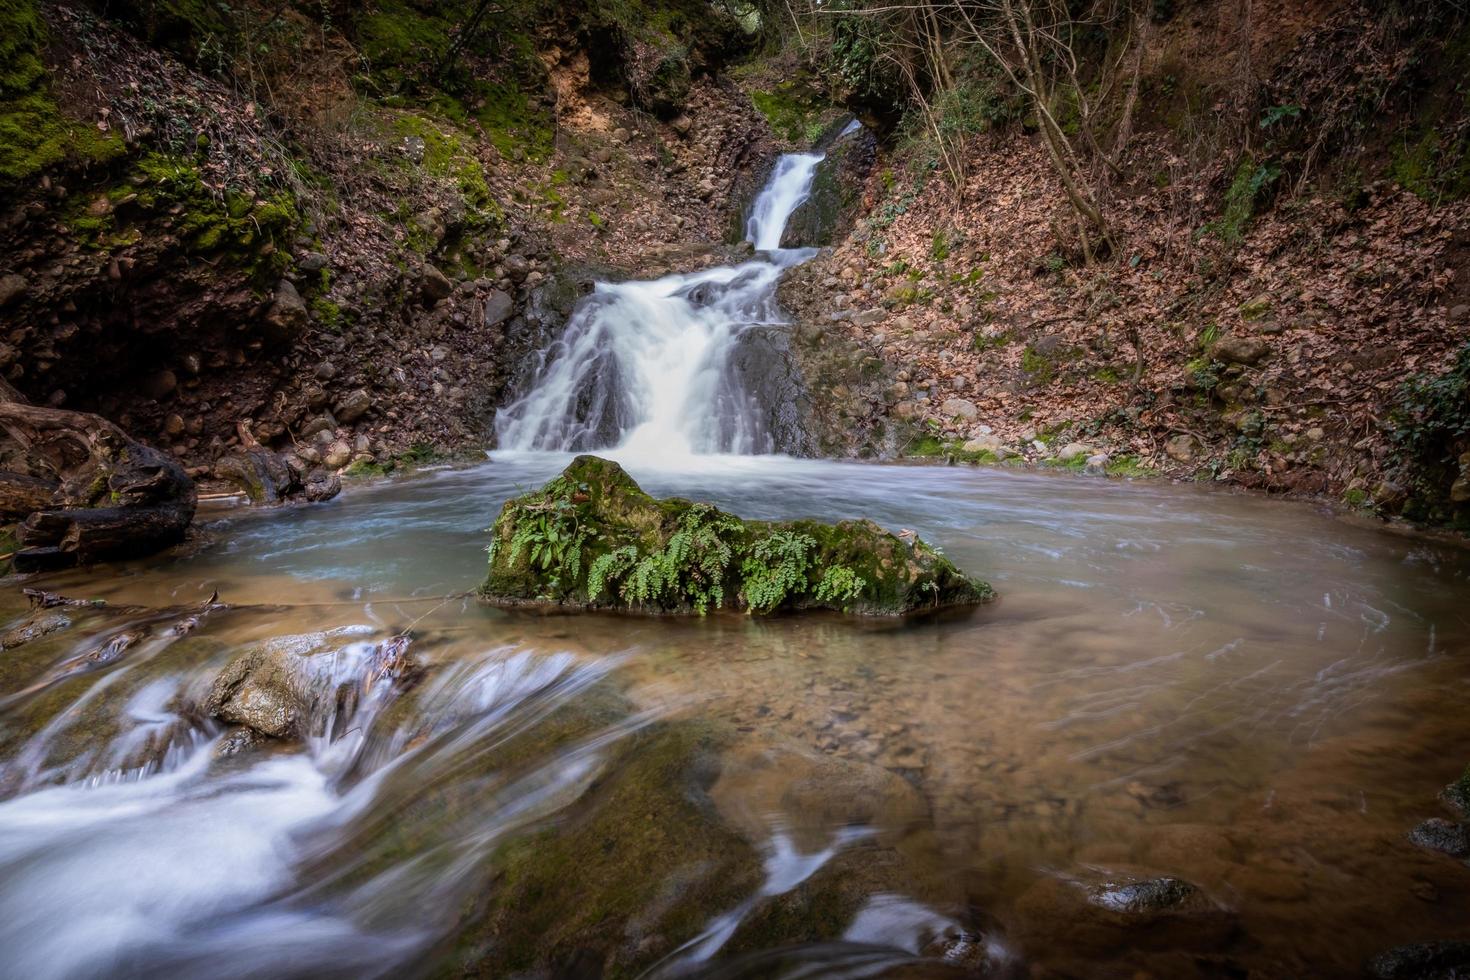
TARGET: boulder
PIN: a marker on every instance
(434, 284)
(517, 268)
(591, 538)
(337, 455)
(1073, 450)
(353, 406)
(264, 690)
(1460, 489)
(1240, 350)
(287, 315)
(1181, 447)
(498, 308)
(312, 262)
(984, 444)
(12, 288)
(961, 408)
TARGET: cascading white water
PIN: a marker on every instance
(645, 368)
(789, 186)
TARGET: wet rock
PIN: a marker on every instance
(1098, 910)
(12, 288)
(1146, 896)
(264, 476)
(719, 561)
(287, 315)
(1445, 836)
(1457, 794)
(312, 262)
(263, 690)
(1240, 350)
(498, 308)
(40, 623)
(1460, 489)
(353, 406)
(321, 485)
(239, 741)
(1422, 961)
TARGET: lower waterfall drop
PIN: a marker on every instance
(645, 368)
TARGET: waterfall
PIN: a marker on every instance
(645, 368)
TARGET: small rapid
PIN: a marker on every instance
(1239, 692)
(647, 368)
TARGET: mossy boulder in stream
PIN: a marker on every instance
(591, 538)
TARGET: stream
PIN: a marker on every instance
(1189, 739)
(1239, 692)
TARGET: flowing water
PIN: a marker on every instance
(647, 367)
(1239, 692)
(1245, 694)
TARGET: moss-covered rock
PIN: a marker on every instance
(640, 865)
(591, 538)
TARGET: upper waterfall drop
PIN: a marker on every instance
(646, 368)
(789, 187)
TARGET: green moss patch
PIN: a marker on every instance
(34, 134)
(591, 538)
(236, 224)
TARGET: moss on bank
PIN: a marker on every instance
(591, 538)
(34, 134)
(234, 224)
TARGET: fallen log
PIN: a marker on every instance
(110, 496)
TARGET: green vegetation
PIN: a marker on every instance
(446, 156)
(34, 134)
(233, 224)
(795, 112)
(1430, 422)
(592, 538)
(1251, 188)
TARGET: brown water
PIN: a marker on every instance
(1246, 694)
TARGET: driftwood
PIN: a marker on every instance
(83, 490)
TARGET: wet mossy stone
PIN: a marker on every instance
(592, 539)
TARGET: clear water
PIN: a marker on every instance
(1245, 693)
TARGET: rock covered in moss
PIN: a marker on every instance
(591, 538)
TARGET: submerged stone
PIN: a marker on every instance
(1422, 961)
(1445, 836)
(36, 625)
(591, 538)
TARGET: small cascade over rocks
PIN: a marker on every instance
(648, 368)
